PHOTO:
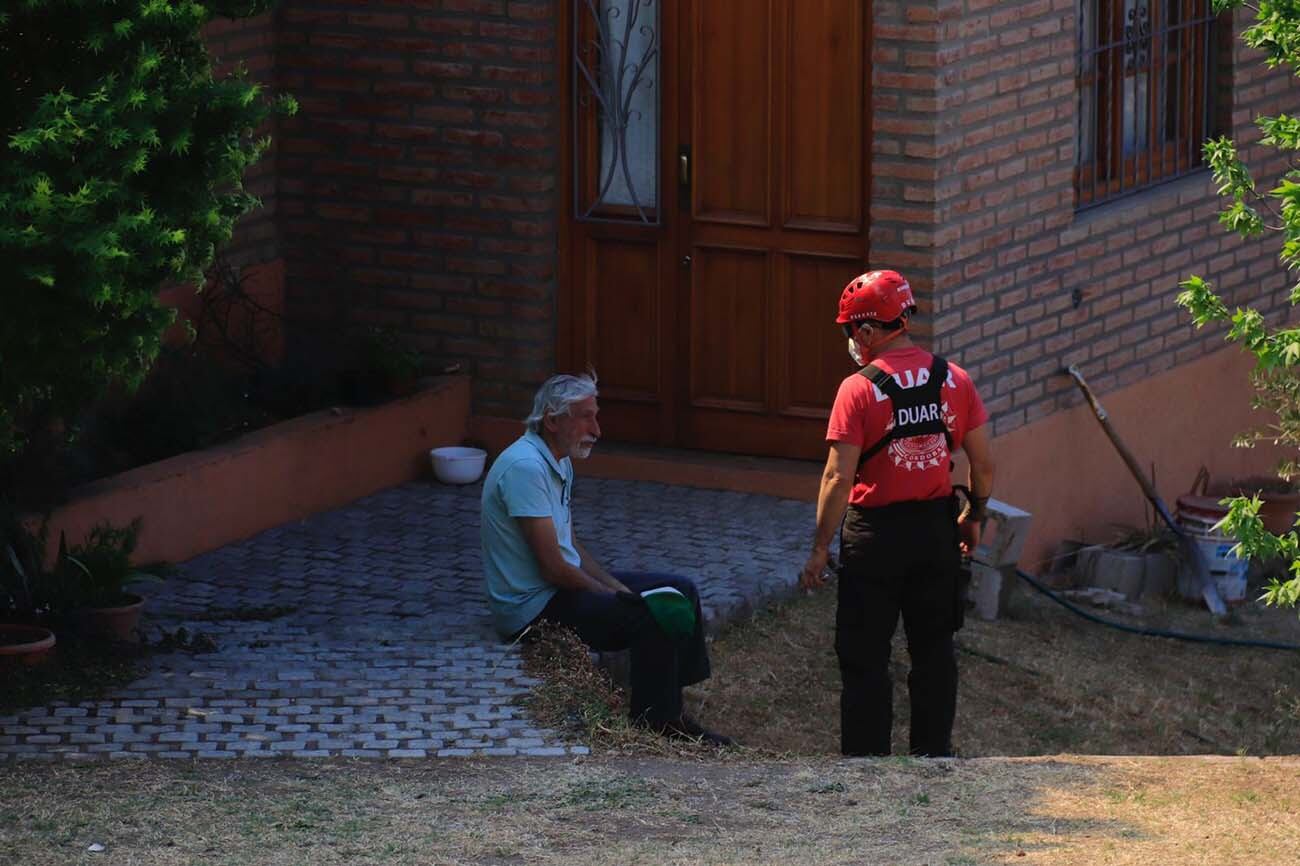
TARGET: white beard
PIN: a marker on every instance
(582, 450)
(855, 353)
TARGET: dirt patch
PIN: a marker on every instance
(1056, 812)
(78, 669)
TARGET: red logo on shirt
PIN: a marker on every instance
(922, 452)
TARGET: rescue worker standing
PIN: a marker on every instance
(892, 430)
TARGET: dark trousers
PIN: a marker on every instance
(661, 666)
(898, 559)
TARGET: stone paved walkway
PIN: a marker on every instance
(364, 631)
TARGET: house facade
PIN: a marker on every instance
(675, 192)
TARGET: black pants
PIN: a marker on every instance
(898, 559)
(661, 666)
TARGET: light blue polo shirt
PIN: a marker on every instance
(525, 481)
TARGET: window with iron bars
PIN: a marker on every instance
(1146, 84)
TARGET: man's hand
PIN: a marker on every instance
(618, 586)
(811, 577)
(832, 499)
(968, 531)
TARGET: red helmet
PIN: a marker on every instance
(881, 296)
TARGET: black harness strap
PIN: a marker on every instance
(917, 411)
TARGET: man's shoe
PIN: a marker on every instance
(686, 728)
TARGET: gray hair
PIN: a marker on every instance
(557, 394)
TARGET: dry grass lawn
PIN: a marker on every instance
(1063, 811)
(1040, 682)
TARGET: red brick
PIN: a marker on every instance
(406, 299)
(474, 266)
(530, 97)
(445, 26)
(473, 137)
(435, 241)
(475, 306)
(476, 95)
(376, 20)
(524, 11)
(478, 7)
(521, 119)
(474, 50)
(516, 74)
(442, 69)
(516, 32)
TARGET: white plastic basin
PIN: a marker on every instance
(458, 465)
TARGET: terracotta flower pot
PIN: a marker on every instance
(116, 623)
(1278, 511)
(1279, 504)
(24, 644)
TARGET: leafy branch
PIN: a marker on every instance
(1276, 347)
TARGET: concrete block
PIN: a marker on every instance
(1133, 574)
(993, 565)
(1004, 535)
(990, 590)
(1118, 570)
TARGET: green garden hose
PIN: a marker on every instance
(1152, 632)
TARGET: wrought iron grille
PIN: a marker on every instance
(616, 111)
(1146, 86)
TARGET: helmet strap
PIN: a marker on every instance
(873, 352)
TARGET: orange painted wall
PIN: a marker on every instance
(200, 501)
(1065, 471)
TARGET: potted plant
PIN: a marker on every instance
(92, 580)
(23, 639)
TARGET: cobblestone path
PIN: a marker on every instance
(364, 631)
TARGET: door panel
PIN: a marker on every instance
(810, 290)
(622, 326)
(729, 299)
(732, 114)
(823, 124)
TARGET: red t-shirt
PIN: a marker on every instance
(916, 468)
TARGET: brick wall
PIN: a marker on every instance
(417, 189)
(417, 183)
(974, 152)
(250, 42)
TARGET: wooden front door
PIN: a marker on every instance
(709, 317)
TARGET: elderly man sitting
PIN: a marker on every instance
(537, 570)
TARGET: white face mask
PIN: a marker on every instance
(856, 353)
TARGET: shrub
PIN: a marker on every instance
(122, 170)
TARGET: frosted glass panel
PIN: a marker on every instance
(627, 168)
(616, 66)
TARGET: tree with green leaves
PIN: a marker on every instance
(122, 167)
(1276, 347)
